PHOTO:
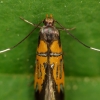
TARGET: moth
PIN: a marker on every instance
(49, 67)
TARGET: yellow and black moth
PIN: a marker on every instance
(49, 68)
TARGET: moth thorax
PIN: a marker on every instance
(49, 34)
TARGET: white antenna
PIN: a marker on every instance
(77, 39)
(5, 50)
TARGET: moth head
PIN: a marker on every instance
(48, 21)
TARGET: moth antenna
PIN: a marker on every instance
(5, 50)
(77, 38)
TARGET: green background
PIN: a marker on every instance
(82, 65)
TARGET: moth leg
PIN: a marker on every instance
(67, 29)
(29, 22)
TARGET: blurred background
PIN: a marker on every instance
(82, 65)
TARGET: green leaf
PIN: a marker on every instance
(78, 60)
